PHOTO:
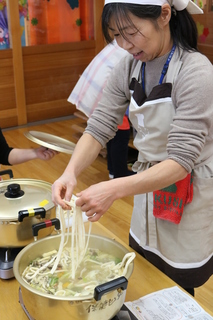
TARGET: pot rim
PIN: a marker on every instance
(62, 298)
(24, 180)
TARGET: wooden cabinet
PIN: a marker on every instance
(35, 81)
(204, 24)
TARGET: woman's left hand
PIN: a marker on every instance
(95, 200)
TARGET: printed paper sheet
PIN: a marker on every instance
(168, 304)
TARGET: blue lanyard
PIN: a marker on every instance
(164, 71)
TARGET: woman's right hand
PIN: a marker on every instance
(85, 152)
(62, 189)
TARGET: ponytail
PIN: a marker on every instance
(184, 30)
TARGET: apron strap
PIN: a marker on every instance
(137, 71)
(174, 66)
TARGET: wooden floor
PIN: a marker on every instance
(118, 217)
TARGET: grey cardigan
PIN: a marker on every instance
(192, 95)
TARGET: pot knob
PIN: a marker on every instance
(14, 191)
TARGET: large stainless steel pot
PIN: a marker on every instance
(24, 202)
(39, 305)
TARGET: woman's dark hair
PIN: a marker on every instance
(182, 26)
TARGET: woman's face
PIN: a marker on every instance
(146, 40)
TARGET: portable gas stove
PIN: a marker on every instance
(7, 257)
(16, 220)
(123, 314)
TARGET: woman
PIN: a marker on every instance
(11, 156)
(168, 85)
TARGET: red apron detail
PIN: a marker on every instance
(168, 203)
(125, 125)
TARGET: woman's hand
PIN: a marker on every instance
(45, 153)
(95, 200)
(18, 155)
(85, 152)
(62, 189)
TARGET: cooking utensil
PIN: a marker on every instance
(106, 302)
(51, 141)
(24, 202)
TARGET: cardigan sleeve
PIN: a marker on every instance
(4, 150)
(190, 138)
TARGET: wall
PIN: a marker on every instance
(50, 73)
(35, 81)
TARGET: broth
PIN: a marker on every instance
(96, 268)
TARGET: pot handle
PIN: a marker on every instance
(119, 283)
(9, 172)
(31, 213)
(41, 225)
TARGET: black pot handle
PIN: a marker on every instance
(31, 213)
(119, 283)
(41, 225)
(9, 172)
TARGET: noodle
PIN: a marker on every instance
(78, 246)
(74, 270)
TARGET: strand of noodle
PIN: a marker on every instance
(122, 263)
(93, 261)
(78, 238)
(62, 240)
(79, 244)
(92, 282)
(88, 237)
(63, 229)
(83, 247)
(41, 268)
(78, 248)
(128, 262)
(110, 264)
(69, 214)
(81, 235)
(72, 243)
(82, 271)
(91, 287)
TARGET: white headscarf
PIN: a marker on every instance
(179, 5)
